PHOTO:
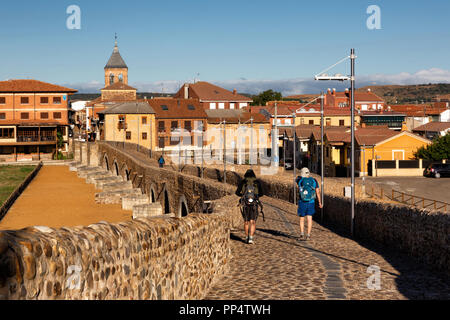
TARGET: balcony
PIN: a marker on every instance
(34, 138)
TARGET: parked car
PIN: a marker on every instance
(437, 170)
(288, 164)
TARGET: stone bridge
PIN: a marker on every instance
(182, 253)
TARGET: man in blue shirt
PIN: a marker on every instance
(309, 190)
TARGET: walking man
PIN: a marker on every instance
(309, 190)
(250, 190)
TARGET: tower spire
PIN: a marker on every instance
(116, 49)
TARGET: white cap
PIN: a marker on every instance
(304, 173)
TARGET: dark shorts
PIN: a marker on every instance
(306, 209)
(249, 213)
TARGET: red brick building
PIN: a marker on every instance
(364, 101)
(213, 97)
(172, 114)
(32, 112)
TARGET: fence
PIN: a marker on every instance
(385, 168)
(408, 199)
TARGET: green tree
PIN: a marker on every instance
(268, 95)
(437, 151)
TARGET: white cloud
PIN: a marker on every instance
(289, 86)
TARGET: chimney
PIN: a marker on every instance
(234, 91)
(334, 91)
(369, 90)
(346, 90)
(329, 90)
(186, 91)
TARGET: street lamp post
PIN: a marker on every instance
(338, 77)
(321, 155)
(293, 158)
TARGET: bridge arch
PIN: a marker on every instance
(116, 168)
(165, 200)
(183, 210)
(152, 193)
(105, 162)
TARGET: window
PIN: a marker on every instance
(6, 133)
(44, 100)
(311, 121)
(302, 121)
(341, 123)
(120, 78)
(328, 122)
(212, 105)
(191, 107)
(187, 126)
(56, 115)
(164, 107)
(24, 115)
(44, 115)
(56, 100)
(144, 135)
(2, 100)
(174, 125)
(2, 116)
(161, 142)
(121, 122)
(161, 127)
(24, 100)
(144, 120)
(221, 105)
(128, 135)
(231, 105)
(111, 79)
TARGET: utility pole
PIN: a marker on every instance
(321, 154)
(224, 153)
(275, 135)
(251, 144)
(294, 162)
(352, 81)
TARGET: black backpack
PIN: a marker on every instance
(250, 193)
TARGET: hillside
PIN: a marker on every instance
(397, 94)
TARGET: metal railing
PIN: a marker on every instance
(408, 199)
(35, 138)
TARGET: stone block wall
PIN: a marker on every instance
(420, 233)
(140, 259)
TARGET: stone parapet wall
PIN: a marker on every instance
(421, 233)
(155, 258)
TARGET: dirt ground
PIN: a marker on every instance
(58, 198)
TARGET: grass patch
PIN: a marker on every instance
(10, 178)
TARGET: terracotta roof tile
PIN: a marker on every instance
(32, 86)
(433, 126)
(119, 86)
(177, 108)
(206, 91)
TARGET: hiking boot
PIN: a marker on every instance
(308, 237)
(302, 237)
(250, 240)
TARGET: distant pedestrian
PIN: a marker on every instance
(161, 161)
(309, 190)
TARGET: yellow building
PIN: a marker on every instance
(132, 122)
(239, 126)
(400, 146)
(380, 143)
(332, 117)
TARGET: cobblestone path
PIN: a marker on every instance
(329, 266)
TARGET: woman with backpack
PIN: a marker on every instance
(250, 190)
(309, 190)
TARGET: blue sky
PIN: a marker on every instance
(251, 45)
